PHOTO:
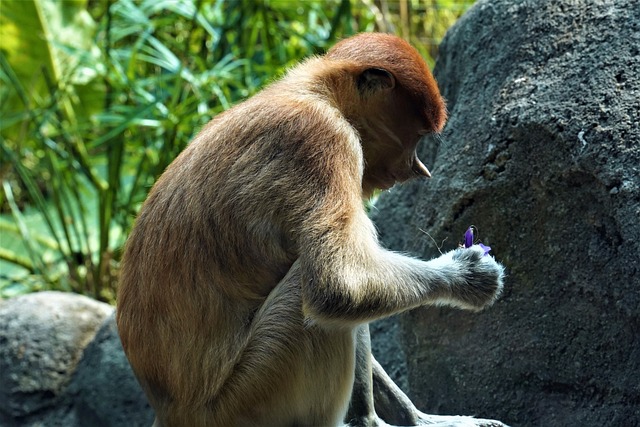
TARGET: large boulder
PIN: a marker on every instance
(104, 389)
(542, 154)
(62, 365)
(42, 338)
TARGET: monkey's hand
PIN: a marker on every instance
(478, 280)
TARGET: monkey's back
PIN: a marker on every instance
(217, 232)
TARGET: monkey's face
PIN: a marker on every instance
(390, 142)
(396, 101)
(398, 165)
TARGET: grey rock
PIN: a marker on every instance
(42, 337)
(62, 365)
(386, 347)
(542, 155)
(104, 389)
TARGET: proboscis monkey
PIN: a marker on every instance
(252, 270)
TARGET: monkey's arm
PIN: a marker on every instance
(347, 276)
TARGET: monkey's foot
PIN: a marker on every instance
(456, 421)
(431, 421)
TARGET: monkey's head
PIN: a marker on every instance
(396, 102)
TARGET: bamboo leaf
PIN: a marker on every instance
(34, 35)
(41, 239)
(35, 261)
(19, 260)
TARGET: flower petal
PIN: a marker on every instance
(468, 237)
(486, 249)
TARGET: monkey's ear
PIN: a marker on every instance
(374, 79)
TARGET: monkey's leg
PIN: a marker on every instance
(395, 407)
(391, 403)
(361, 407)
(371, 383)
(289, 372)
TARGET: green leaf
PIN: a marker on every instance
(55, 39)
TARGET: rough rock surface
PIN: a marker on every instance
(55, 370)
(542, 155)
(42, 337)
(104, 389)
(387, 348)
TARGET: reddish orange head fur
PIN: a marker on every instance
(403, 61)
(397, 103)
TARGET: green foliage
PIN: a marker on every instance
(422, 22)
(46, 45)
(97, 98)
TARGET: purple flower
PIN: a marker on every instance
(468, 237)
(486, 249)
(468, 241)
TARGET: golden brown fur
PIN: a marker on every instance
(252, 260)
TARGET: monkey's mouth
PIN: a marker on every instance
(387, 178)
(419, 168)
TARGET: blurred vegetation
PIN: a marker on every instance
(97, 98)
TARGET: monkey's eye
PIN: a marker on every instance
(422, 136)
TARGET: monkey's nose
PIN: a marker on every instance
(419, 168)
